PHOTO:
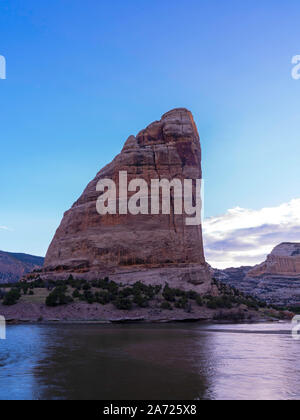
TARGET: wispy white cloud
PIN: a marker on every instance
(4, 228)
(246, 237)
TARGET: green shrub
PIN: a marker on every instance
(58, 297)
(12, 297)
(211, 304)
(52, 299)
(103, 283)
(224, 302)
(169, 294)
(182, 303)
(199, 300)
(128, 291)
(123, 303)
(38, 284)
(25, 288)
(167, 306)
(157, 289)
(76, 294)
(70, 280)
(141, 301)
(89, 297)
(178, 292)
(102, 297)
(192, 295)
(295, 309)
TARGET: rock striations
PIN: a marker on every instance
(284, 260)
(151, 248)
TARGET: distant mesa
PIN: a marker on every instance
(284, 260)
(276, 281)
(13, 266)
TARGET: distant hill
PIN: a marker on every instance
(13, 265)
(276, 281)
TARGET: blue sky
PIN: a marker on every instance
(84, 75)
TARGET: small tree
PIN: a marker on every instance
(12, 297)
(123, 303)
(76, 294)
(141, 301)
(58, 297)
(166, 306)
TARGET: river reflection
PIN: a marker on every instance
(182, 361)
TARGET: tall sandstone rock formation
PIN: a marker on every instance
(151, 248)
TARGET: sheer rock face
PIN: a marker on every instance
(88, 244)
(284, 260)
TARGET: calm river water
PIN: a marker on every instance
(180, 361)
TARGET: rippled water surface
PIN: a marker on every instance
(182, 361)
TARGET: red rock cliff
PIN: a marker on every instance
(86, 242)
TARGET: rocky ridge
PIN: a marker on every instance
(13, 266)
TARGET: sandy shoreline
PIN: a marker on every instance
(81, 312)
